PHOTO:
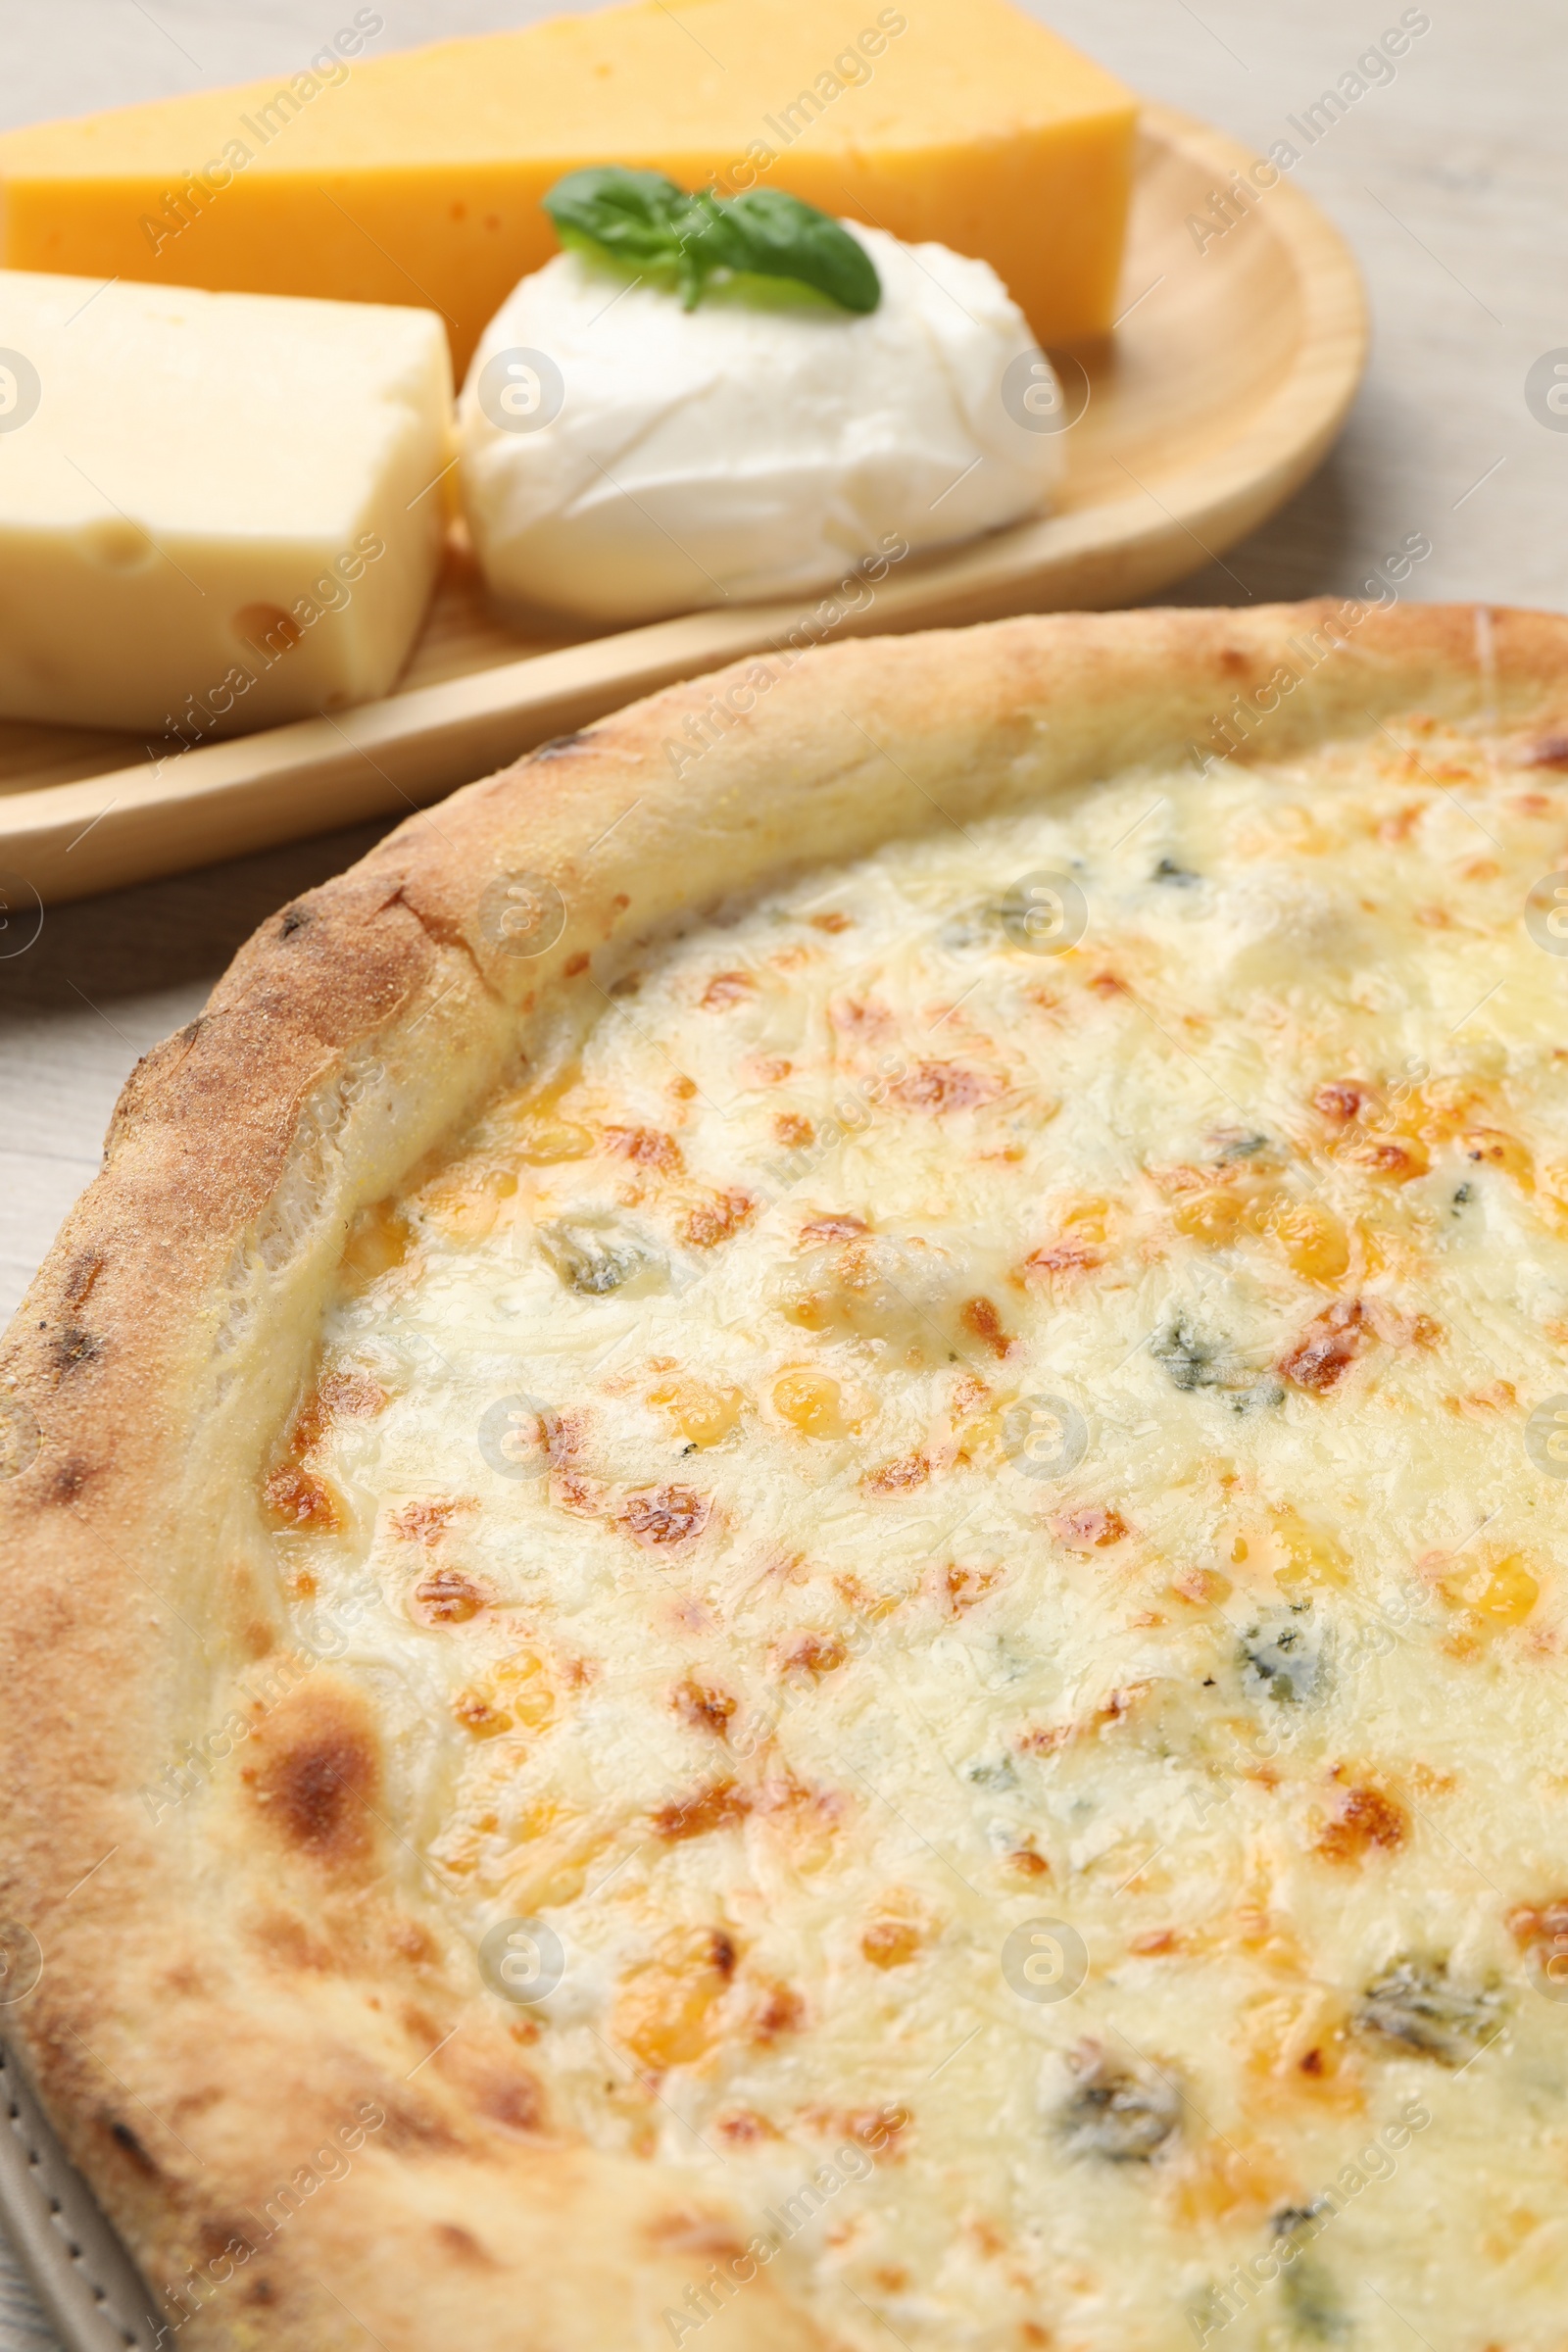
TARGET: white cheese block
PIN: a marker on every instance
(623, 458)
(216, 511)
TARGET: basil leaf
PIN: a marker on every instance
(786, 238)
(646, 223)
(706, 245)
(632, 215)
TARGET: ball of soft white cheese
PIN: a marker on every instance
(622, 457)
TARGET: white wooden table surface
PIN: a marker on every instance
(1451, 182)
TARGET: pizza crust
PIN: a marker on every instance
(166, 1342)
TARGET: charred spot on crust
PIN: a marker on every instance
(514, 2100)
(413, 1941)
(125, 2138)
(68, 1480)
(318, 1786)
(693, 2234)
(461, 2245)
(292, 919)
(411, 2125)
(320, 1782)
(421, 2026)
(83, 1271)
(287, 1940)
(73, 1347)
(214, 2237)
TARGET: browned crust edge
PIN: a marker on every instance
(186, 2082)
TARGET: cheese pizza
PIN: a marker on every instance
(782, 1551)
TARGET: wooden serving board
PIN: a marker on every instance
(1229, 372)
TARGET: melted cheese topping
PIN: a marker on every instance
(961, 1525)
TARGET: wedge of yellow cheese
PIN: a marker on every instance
(416, 178)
